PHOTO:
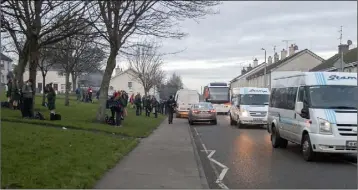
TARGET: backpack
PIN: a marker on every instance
(39, 116)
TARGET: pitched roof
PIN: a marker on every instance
(348, 57)
(122, 72)
(242, 74)
(5, 58)
(278, 63)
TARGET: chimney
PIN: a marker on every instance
(343, 48)
(269, 61)
(283, 54)
(243, 71)
(256, 62)
(117, 71)
(276, 57)
(249, 68)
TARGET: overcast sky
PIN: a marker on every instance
(218, 46)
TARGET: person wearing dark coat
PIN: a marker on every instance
(27, 95)
(148, 106)
(138, 104)
(144, 103)
(155, 105)
(51, 100)
(116, 107)
(171, 105)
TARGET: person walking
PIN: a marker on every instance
(78, 93)
(89, 92)
(27, 95)
(171, 105)
(138, 104)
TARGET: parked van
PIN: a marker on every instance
(185, 98)
(249, 106)
(316, 110)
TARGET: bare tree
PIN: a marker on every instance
(44, 65)
(171, 86)
(42, 24)
(119, 20)
(89, 62)
(146, 62)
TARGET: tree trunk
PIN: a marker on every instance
(74, 82)
(103, 94)
(20, 69)
(67, 91)
(34, 59)
(43, 89)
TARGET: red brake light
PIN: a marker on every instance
(196, 111)
(212, 111)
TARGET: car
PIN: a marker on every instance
(202, 112)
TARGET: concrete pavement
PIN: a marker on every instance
(166, 159)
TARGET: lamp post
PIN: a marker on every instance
(265, 77)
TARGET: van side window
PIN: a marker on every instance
(282, 98)
(272, 99)
(301, 92)
(291, 98)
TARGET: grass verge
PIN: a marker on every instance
(81, 115)
(44, 158)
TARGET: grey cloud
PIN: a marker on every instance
(242, 28)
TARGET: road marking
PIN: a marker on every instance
(196, 132)
(224, 170)
(348, 162)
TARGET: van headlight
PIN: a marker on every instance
(244, 113)
(325, 126)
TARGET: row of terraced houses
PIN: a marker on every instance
(295, 60)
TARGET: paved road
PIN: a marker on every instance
(253, 163)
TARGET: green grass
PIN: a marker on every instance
(81, 115)
(40, 157)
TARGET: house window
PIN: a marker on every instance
(130, 85)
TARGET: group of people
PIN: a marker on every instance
(150, 104)
(22, 98)
(85, 95)
(118, 106)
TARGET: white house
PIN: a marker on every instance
(52, 76)
(5, 67)
(333, 64)
(303, 60)
(126, 80)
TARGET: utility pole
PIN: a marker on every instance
(340, 43)
(265, 77)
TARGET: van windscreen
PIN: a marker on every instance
(254, 99)
(333, 97)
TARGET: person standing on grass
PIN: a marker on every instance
(89, 91)
(78, 94)
(138, 104)
(15, 94)
(155, 105)
(27, 95)
(116, 109)
(148, 106)
(124, 101)
(9, 90)
(51, 100)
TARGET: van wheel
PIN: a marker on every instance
(276, 140)
(191, 122)
(306, 148)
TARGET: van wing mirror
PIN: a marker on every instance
(299, 107)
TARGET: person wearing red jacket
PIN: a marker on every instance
(89, 91)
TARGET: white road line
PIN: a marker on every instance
(196, 132)
(225, 168)
(355, 164)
